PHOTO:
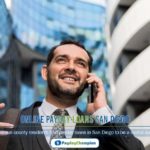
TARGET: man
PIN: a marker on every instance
(67, 73)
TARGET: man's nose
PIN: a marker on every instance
(71, 65)
(71, 68)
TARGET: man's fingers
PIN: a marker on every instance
(2, 133)
(2, 105)
(6, 125)
(90, 108)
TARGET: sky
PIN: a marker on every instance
(8, 3)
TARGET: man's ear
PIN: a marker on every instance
(44, 72)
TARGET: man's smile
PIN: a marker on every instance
(69, 79)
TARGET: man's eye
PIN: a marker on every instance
(61, 60)
(82, 64)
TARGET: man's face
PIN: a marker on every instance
(68, 71)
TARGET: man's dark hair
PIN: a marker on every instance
(51, 53)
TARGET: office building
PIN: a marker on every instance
(42, 24)
(129, 51)
(5, 32)
(5, 28)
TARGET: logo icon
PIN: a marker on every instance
(58, 142)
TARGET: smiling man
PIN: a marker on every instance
(67, 74)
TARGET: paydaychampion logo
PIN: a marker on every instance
(75, 143)
(57, 142)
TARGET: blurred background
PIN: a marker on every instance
(116, 33)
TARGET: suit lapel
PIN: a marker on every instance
(41, 138)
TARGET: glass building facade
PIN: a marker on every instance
(5, 32)
(5, 28)
(43, 24)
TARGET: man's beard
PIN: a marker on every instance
(64, 93)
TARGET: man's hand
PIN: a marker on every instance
(100, 98)
(4, 124)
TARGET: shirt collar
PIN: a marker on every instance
(48, 109)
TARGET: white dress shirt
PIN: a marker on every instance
(46, 109)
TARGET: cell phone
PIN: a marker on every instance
(91, 93)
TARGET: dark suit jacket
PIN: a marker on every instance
(38, 142)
